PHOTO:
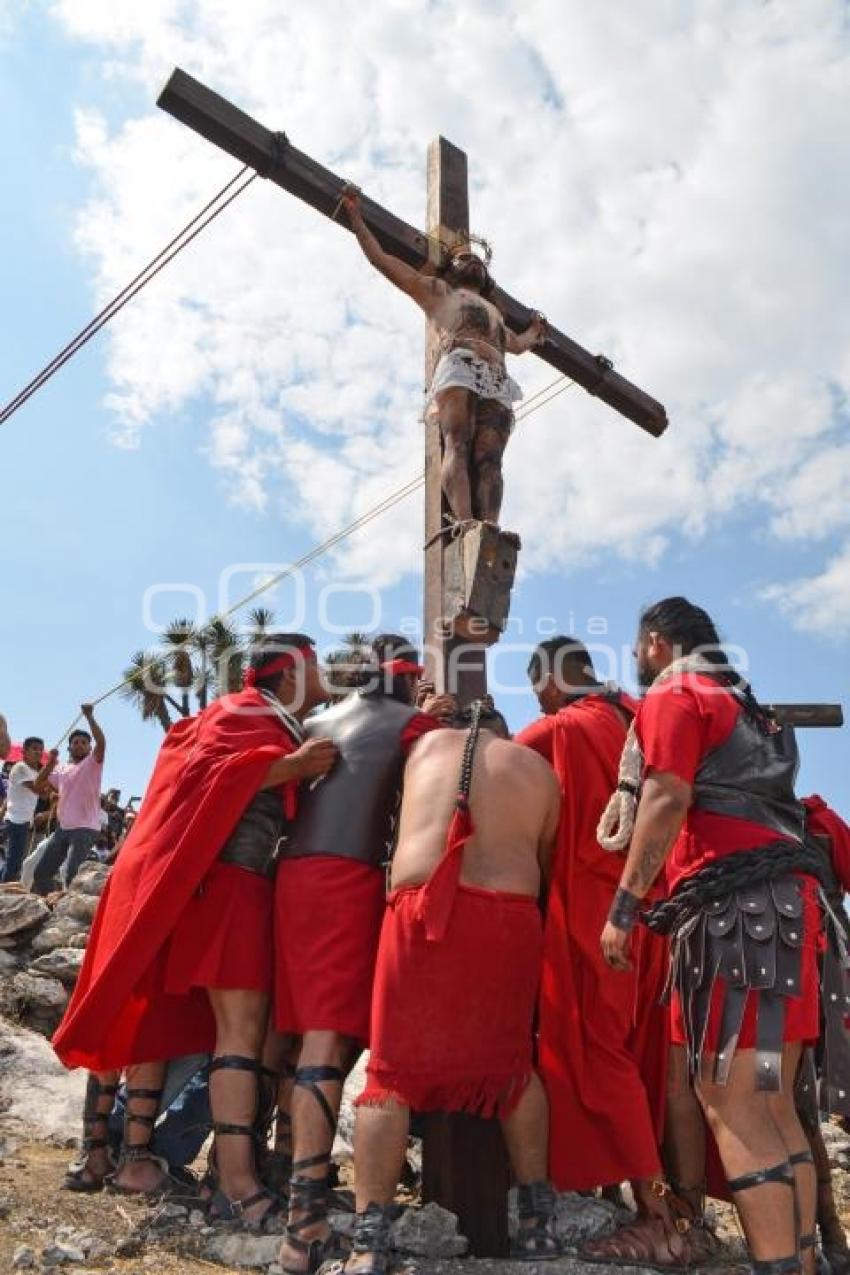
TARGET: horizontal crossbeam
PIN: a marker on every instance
(274, 156)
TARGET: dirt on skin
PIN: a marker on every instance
(33, 1208)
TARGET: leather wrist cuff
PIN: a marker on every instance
(624, 910)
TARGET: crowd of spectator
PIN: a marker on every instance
(54, 815)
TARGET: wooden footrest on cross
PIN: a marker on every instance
(479, 565)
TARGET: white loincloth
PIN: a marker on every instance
(462, 368)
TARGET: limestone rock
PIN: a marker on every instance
(63, 931)
(8, 963)
(21, 912)
(23, 1258)
(429, 1232)
(90, 879)
(81, 907)
(38, 1097)
(580, 1218)
(62, 963)
(241, 1249)
(38, 1002)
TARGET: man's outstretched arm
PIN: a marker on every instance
(417, 286)
(664, 803)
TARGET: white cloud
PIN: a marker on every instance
(819, 603)
(668, 183)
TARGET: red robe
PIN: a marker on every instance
(603, 1036)
(207, 770)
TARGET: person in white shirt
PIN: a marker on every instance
(25, 780)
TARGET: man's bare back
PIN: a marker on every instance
(515, 802)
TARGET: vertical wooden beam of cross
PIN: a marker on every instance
(448, 224)
(464, 1162)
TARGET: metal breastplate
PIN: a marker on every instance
(352, 811)
(253, 841)
(751, 776)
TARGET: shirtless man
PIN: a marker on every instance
(458, 969)
(470, 391)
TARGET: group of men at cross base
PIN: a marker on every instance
(609, 932)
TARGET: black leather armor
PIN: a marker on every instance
(351, 812)
(253, 841)
(751, 776)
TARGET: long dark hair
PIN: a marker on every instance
(691, 629)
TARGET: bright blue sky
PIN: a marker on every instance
(265, 393)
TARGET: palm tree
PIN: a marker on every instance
(345, 665)
(179, 639)
(146, 678)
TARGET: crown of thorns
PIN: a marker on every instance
(475, 244)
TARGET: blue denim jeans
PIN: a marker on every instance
(17, 836)
(71, 846)
(182, 1131)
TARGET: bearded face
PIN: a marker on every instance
(467, 271)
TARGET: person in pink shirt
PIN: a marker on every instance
(78, 782)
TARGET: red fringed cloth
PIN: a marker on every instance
(455, 988)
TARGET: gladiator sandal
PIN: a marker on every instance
(535, 1242)
(309, 1196)
(653, 1240)
(372, 1236)
(133, 1153)
(784, 1174)
(80, 1177)
(276, 1168)
(220, 1206)
(810, 1240)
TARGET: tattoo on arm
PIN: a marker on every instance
(639, 876)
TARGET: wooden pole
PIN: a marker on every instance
(465, 1167)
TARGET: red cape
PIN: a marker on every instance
(603, 1035)
(207, 770)
(823, 821)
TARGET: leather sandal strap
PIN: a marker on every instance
(311, 1161)
(242, 1130)
(95, 1144)
(778, 1266)
(308, 1078)
(808, 1241)
(235, 1062)
(801, 1157)
(143, 1093)
(782, 1173)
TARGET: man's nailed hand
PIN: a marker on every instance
(314, 758)
(539, 327)
(350, 201)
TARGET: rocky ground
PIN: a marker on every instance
(43, 1228)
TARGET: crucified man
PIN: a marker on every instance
(469, 391)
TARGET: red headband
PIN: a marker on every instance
(397, 668)
(288, 660)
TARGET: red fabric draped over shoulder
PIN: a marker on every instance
(207, 770)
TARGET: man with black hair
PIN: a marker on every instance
(180, 956)
(26, 780)
(715, 776)
(470, 391)
(602, 1038)
(330, 898)
(458, 969)
(78, 782)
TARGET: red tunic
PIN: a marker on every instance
(327, 916)
(603, 1034)
(677, 724)
(124, 1008)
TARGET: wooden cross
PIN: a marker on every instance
(273, 155)
(464, 1168)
